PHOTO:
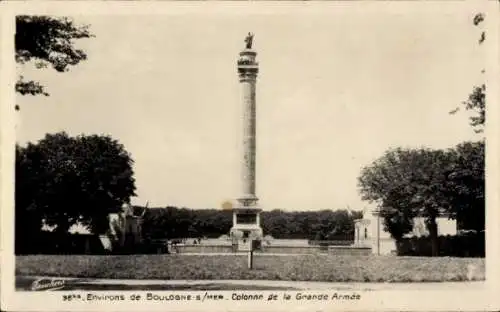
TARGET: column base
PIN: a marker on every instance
(242, 237)
(247, 233)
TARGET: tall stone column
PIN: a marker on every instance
(247, 71)
(246, 217)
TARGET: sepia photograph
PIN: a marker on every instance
(235, 156)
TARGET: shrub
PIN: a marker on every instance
(463, 245)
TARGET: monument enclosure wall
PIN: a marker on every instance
(334, 250)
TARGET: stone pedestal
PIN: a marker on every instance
(246, 227)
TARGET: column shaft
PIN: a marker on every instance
(249, 141)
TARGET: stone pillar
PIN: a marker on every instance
(249, 140)
(247, 71)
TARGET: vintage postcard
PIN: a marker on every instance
(197, 156)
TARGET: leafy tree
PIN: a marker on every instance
(28, 219)
(407, 183)
(47, 41)
(63, 180)
(466, 185)
(398, 222)
(477, 103)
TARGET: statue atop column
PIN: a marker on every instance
(249, 40)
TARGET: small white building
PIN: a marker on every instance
(369, 232)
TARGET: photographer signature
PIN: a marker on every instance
(47, 284)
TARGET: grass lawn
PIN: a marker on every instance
(325, 268)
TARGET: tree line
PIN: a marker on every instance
(172, 222)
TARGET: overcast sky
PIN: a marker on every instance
(334, 92)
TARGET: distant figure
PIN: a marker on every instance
(249, 40)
